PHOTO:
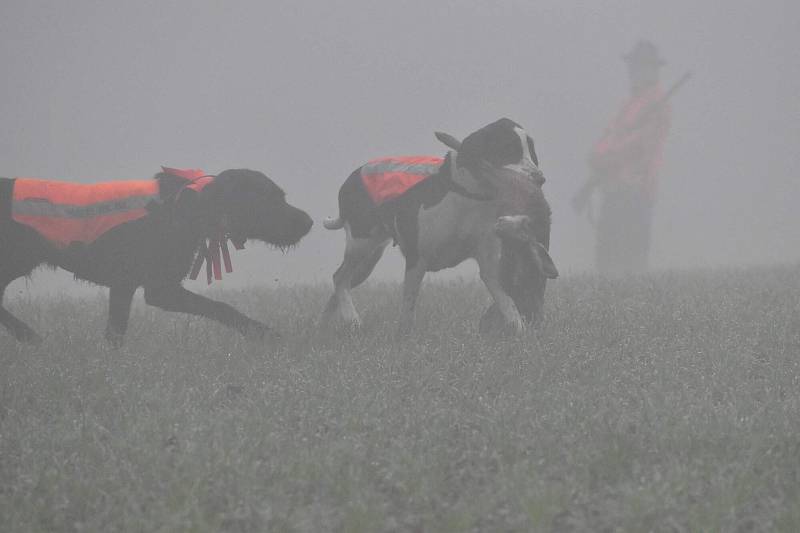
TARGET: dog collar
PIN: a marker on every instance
(213, 250)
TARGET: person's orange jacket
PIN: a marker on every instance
(631, 149)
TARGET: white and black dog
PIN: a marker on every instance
(444, 220)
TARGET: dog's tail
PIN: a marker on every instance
(333, 223)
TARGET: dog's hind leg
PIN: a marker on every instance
(489, 267)
(365, 268)
(360, 257)
(21, 250)
(411, 284)
(21, 331)
(13, 265)
(119, 311)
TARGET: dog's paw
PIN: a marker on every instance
(114, 338)
(518, 326)
(262, 332)
(27, 336)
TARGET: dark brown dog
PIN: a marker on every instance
(157, 251)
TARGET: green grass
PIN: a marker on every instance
(665, 403)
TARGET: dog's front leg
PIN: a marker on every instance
(178, 299)
(489, 265)
(504, 303)
(411, 284)
(119, 311)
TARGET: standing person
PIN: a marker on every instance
(624, 165)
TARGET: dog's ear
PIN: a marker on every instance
(548, 266)
(225, 190)
(448, 140)
(169, 185)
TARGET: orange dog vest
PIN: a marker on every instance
(64, 212)
(389, 177)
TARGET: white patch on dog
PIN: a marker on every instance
(446, 228)
(526, 164)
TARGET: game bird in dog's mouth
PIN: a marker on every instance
(440, 211)
(148, 233)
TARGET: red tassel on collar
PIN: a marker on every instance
(210, 252)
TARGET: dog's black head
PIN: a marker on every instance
(501, 145)
(252, 206)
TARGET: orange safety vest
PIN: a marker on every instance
(64, 212)
(631, 150)
(387, 178)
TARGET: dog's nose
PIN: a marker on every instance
(307, 223)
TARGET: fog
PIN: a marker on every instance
(308, 91)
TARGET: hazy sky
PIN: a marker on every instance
(307, 91)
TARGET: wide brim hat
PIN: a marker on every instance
(644, 53)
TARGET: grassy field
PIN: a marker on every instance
(666, 403)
